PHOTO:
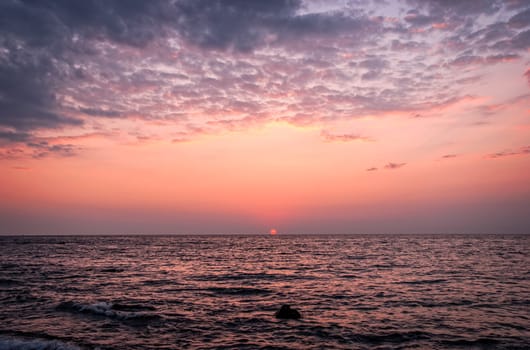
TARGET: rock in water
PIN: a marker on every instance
(286, 312)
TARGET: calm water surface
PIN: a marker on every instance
(221, 292)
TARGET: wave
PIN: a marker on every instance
(397, 338)
(238, 291)
(112, 269)
(9, 282)
(123, 312)
(394, 338)
(34, 344)
(466, 343)
(8, 266)
(432, 281)
(238, 277)
(427, 304)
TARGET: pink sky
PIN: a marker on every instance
(228, 117)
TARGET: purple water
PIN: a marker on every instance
(221, 292)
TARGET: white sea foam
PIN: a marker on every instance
(101, 308)
(108, 310)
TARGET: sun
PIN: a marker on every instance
(273, 231)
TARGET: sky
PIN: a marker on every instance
(212, 116)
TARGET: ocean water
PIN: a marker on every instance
(221, 292)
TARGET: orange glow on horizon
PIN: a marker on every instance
(273, 231)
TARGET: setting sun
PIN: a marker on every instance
(273, 231)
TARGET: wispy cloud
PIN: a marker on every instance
(523, 151)
(15, 145)
(392, 166)
(449, 156)
(330, 137)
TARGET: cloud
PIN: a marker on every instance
(520, 20)
(408, 46)
(10, 136)
(471, 60)
(449, 156)
(492, 109)
(39, 149)
(42, 149)
(519, 42)
(329, 137)
(246, 25)
(231, 65)
(510, 152)
(393, 166)
(98, 112)
(42, 43)
(26, 88)
(39, 45)
(372, 169)
(466, 60)
(457, 8)
(416, 19)
(16, 145)
(239, 25)
(501, 58)
(515, 4)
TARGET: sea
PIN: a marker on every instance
(222, 292)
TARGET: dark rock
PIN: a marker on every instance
(286, 312)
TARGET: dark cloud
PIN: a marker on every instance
(26, 146)
(408, 46)
(39, 41)
(371, 75)
(373, 63)
(516, 4)
(16, 145)
(10, 136)
(501, 58)
(449, 156)
(242, 26)
(458, 8)
(64, 63)
(491, 33)
(59, 22)
(27, 82)
(419, 20)
(371, 169)
(520, 20)
(97, 112)
(510, 152)
(393, 166)
(42, 149)
(521, 41)
(466, 60)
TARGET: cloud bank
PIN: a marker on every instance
(228, 65)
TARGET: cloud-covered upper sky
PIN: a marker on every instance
(82, 77)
